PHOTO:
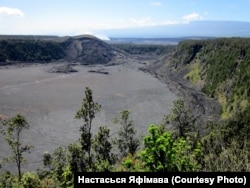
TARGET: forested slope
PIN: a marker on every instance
(220, 68)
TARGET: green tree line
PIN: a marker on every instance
(12, 50)
(142, 49)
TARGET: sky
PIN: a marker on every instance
(75, 17)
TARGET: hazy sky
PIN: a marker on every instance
(73, 17)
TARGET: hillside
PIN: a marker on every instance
(212, 76)
(84, 49)
(219, 68)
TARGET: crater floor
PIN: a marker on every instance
(49, 102)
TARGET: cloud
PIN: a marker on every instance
(147, 21)
(7, 11)
(155, 3)
(171, 22)
(191, 17)
(142, 21)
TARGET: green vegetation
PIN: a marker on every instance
(194, 74)
(87, 113)
(127, 141)
(177, 147)
(12, 133)
(220, 67)
(163, 152)
(143, 49)
(29, 51)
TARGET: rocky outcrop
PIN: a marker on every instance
(88, 50)
(62, 68)
(100, 71)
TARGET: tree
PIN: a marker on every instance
(226, 147)
(157, 151)
(30, 180)
(102, 146)
(56, 162)
(164, 152)
(87, 113)
(180, 118)
(127, 141)
(76, 160)
(14, 127)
